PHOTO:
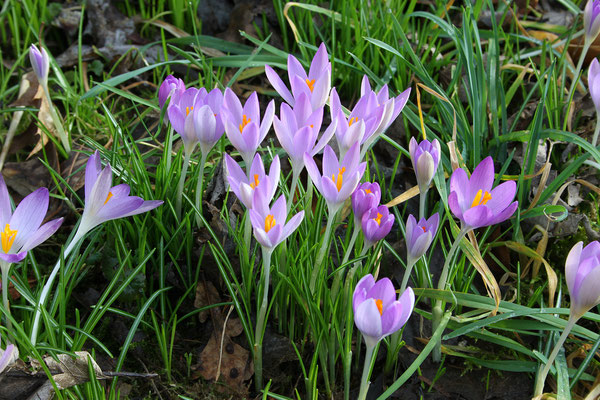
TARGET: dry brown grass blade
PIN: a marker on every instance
(409, 194)
(440, 97)
(471, 250)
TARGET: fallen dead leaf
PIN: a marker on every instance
(74, 371)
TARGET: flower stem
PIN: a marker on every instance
(261, 319)
(596, 131)
(351, 244)
(541, 378)
(324, 248)
(199, 190)
(422, 201)
(184, 168)
(56, 120)
(438, 309)
(586, 46)
(364, 382)
(295, 178)
(410, 263)
(5, 266)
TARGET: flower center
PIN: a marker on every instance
(379, 304)
(424, 230)
(340, 178)
(481, 198)
(188, 109)
(108, 197)
(7, 237)
(378, 219)
(352, 120)
(311, 84)
(368, 191)
(245, 121)
(269, 222)
(254, 185)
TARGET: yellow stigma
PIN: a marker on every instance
(340, 179)
(108, 197)
(378, 219)
(255, 183)
(7, 237)
(188, 109)
(245, 121)
(352, 120)
(481, 200)
(379, 304)
(311, 84)
(269, 222)
(367, 191)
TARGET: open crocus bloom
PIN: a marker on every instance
(366, 196)
(473, 200)
(339, 180)
(582, 272)
(377, 313)
(591, 19)
(244, 187)
(270, 227)
(419, 235)
(376, 224)
(316, 85)
(392, 107)
(103, 202)
(243, 125)
(21, 230)
(425, 158)
(168, 87)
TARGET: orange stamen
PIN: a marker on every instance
(7, 237)
(311, 84)
(424, 230)
(245, 121)
(352, 120)
(481, 198)
(188, 109)
(379, 304)
(340, 178)
(108, 197)
(269, 222)
(378, 219)
(256, 182)
(367, 191)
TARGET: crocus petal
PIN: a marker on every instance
(368, 319)
(232, 105)
(459, 183)
(99, 191)
(274, 235)
(292, 225)
(8, 356)
(454, 205)
(43, 233)
(420, 246)
(13, 258)
(29, 215)
(313, 171)
(92, 170)
(331, 164)
(502, 195)
(234, 171)
(478, 216)
(278, 85)
(146, 206)
(320, 91)
(505, 214)
(383, 290)
(588, 294)
(267, 120)
(482, 177)
(360, 292)
(262, 237)
(407, 299)
(329, 191)
(319, 62)
(295, 68)
(5, 208)
(390, 318)
(119, 208)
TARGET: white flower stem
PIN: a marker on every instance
(199, 190)
(184, 168)
(596, 132)
(541, 378)
(364, 382)
(324, 248)
(5, 266)
(261, 319)
(295, 178)
(422, 200)
(57, 122)
(410, 263)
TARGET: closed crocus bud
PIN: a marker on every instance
(365, 197)
(594, 83)
(582, 272)
(40, 63)
(376, 224)
(419, 235)
(591, 20)
(425, 158)
(169, 86)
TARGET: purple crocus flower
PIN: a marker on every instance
(40, 63)
(425, 158)
(393, 106)
(366, 196)
(591, 22)
(298, 129)
(181, 115)
(9, 355)
(208, 124)
(21, 230)
(316, 85)
(244, 187)
(419, 235)
(376, 224)
(169, 86)
(377, 313)
(270, 227)
(339, 180)
(243, 125)
(103, 202)
(582, 272)
(473, 200)
(594, 83)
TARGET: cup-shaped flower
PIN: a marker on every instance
(243, 125)
(591, 19)
(366, 196)
(103, 202)
(169, 86)
(208, 124)
(339, 180)
(298, 130)
(316, 85)
(582, 272)
(21, 230)
(8, 356)
(40, 63)
(475, 203)
(376, 224)
(419, 235)
(269, 224)
(393, 106)
(377, 312)
(244, 187)
(181, 115)
(594, 83)
(425, 158)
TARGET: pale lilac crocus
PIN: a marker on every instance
(419, 235)
(475, 203)
(181, 116)
(270, 225)
(258, 180)
(376, 224)
(316, 85)
(243, 125)
(40, 63)
(425, 158)
(392, 106)
(591, 19)
(366, 196)
(594, 86)
(339, 179)
(168, 87)
(9, 356)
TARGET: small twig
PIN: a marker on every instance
(130, 374)
(221, 347)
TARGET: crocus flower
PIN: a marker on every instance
(339, 180)
(208, 124)
(393, 106)
(244, 187)
(169, 86)
(377, 313)
(316, 85)
(103, 202)
(425, 158)
(419, 235)
(298, 129)
(376, 224)
(181, 115)
(21, 230)
(243, 125)
(582, 272)
(594, 83)
(473, 200)
(40, 63)
(591, 22)
(270, 227)
(8, 356)
(366, 196)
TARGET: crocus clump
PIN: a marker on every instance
(475, 203)
(244, 185)
(366, 196)
(168, 87)
(425, 158)
(591, 20)
(419, 235)
(376, 224)
(582, 273)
